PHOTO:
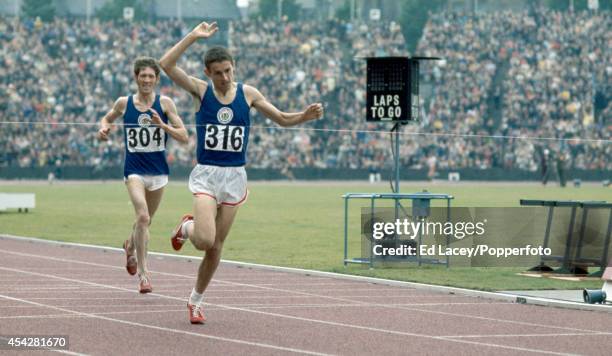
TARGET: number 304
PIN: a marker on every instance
(142, 137)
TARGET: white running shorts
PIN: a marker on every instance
(151, 183)
(227, 185)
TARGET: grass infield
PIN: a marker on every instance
(284, 224)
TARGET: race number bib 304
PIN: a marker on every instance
(224, 138)
(145, 139)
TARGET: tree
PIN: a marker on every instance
(38, 8)
(113, 10)
(414, 17)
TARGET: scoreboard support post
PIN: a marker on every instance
(393, 95)
(396, 162)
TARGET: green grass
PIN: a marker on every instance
(282, 224)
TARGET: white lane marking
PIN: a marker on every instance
(219, 338)
(93, 306)
(325, 322)
(289, 272)
(261, 306)
(526, 335)
(253, 306)
(341, 298)
(238, 304)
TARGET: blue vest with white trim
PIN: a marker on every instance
(223, 130)
(145, 144)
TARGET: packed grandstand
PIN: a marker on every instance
(510, 85)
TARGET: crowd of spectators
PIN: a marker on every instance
(557, 68)
(545, 62)
(58, 79)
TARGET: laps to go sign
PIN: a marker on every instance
(386, 107)
(388, 89)
(393, 88)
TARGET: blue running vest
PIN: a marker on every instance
(145, 144)
(223, 130)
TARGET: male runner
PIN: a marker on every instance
(218, 182)
(145, 116)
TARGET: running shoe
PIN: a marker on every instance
(177, 238)
(196, 314)
(145, 285)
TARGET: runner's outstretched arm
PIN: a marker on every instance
(169, 59)
(259, 102)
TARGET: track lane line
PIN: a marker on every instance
(527, 335)
(161, 328)
(332, 323)
(342, 299)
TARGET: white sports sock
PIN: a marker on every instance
(184, 228)
(195, 298)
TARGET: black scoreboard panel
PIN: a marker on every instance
(393, 88)
(388, 89)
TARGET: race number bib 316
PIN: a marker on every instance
(224, 138)
(145, 139)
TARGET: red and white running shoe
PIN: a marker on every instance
(144, 286)
(177, 238)
(196, 314)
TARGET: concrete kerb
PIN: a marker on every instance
(514, 298)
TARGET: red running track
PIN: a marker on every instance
(85, 293)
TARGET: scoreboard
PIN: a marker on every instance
(393, 88)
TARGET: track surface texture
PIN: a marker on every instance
(85, 293)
